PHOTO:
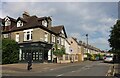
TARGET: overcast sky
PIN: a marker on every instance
(79, 18)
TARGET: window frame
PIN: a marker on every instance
(28, 32)
(19, 23)
(44, 23)
(53, 38)
(7, 21)
(17, 37)
(46, 37)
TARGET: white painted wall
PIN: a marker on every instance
(67, 47)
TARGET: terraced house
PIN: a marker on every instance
(34, 35)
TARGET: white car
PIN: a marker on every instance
(108, 58)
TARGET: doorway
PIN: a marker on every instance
(45, 55)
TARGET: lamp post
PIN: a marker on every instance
(87, 41)
(87, 44)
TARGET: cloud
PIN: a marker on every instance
(75, 35)
(100, 42)
(79, 18)
(59, 1)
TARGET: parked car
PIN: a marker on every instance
(108, 58)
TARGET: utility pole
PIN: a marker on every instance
(87, 41)
(87, 46)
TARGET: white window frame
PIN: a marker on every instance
(53, 38)
(26, 33)
(19, 23)
(5, 35)
(58, 40)
(44, 23)
(46, 37)
(17, 37)
(7, 21)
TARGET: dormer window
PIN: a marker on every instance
(44, 23)
(7, 21)
(19, 23)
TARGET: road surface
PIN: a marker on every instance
(87, 68)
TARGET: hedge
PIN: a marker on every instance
(10, 51)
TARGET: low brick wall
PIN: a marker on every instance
(67, 59)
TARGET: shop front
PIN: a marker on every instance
(41, 52)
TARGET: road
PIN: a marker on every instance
(88, 68)
(85, 69)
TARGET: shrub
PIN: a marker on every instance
(92, 57)
(10, 51)
(59, 52)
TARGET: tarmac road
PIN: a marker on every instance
(87, 68)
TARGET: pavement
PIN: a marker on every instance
(117, 70)
(114, 70)
(36, 67)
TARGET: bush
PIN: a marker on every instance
(101, 56)
(59, 52)
(88, 56)
(92, 57)
(10, 51)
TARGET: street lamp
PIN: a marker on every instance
(87, 41)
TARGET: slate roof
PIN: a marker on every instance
(35, 22)
(58, 29)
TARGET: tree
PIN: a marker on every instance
(114, 39)
(59, 52)
(10, 51)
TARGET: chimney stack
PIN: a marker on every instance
(25, 15)
(49, 22)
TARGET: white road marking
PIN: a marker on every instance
(59, 75)
(51, 69)
(73, 71)
(46, 68)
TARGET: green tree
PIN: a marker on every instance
(114, 39)
(10, 51)
(59, 52)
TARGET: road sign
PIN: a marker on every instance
(71, 50)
